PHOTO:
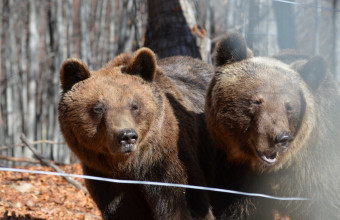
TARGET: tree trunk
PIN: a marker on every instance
(2, 83)
(168, 33)
(7, 104)
(315, 29)
(85, 45)
(69, 15)
(33, 72)
(285, 20)
(112, 31)
(336, 48)
(253, 21)
(15, 128)
(126, 32)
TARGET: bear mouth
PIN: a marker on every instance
(269, 157)
(127, 148)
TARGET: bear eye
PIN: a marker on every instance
(224, 110)
(134, 106)
(289, 108)
(98, 108)
(257, 101)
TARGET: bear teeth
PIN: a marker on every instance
(269, 157)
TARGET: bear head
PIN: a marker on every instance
(259, 110)
(110, 111)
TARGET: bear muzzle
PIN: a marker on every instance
(281, 144)
(127, 139)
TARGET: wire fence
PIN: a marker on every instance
(152, 183)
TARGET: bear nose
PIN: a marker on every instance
(127, 137)
(283, 139)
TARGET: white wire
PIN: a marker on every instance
(150, 183)
(306, 5)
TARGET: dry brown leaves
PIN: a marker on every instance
(34, 196)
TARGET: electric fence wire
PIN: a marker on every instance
(6, 169)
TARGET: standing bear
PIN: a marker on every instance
(277, 129)
(136, 120)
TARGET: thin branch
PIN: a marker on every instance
(48, 163)
(16, 159)
(32, 143)
(317, 28)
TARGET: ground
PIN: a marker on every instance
(33, 196)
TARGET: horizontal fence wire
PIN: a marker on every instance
(307, 5)
(6, 169)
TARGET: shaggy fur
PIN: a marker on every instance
(278, 132)
(132, 92)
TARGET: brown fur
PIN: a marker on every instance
(132, 92)
(250, 102)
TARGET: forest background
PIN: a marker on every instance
(36, 36)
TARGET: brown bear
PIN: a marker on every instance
(277, 131)
(136, 120)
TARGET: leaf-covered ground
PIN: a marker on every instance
(34, 196)
(26, 196)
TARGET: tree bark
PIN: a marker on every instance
(136, 18)
(85, 45)
(253, 21)
(317, 27)
(69, 15)
(8, 101)
(101, 37)
(336, 28)
(314, 29)
(112, 31)
(15, 128)
(126, 32)
(2, 81)
(285, 20)
(33, 72)
(61, 53)
(168, 33)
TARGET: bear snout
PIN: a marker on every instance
(283, 140)
(127, 139)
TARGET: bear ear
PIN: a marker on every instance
(313, 72)
(231, 49)
(72, 71)
(143, 63)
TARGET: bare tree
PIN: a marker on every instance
(172, 29)
(34, 43)
(33, 70)
(336, 19)
(314, 28)
(285, 20)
